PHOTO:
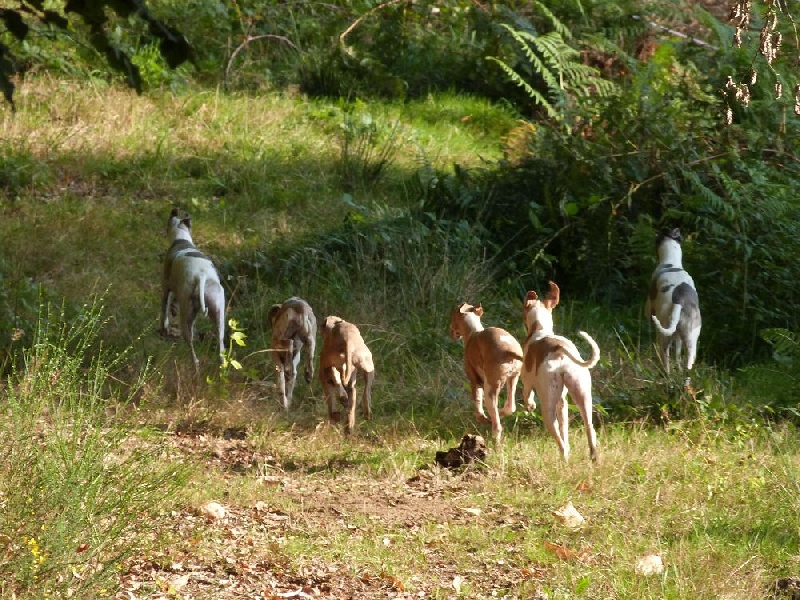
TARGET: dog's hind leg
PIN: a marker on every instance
(188, 310)
(664, 344)
(511, 390)
(491, 395)
(369, 377)
(290, 372)
(580, 390)
(477, 401)
(351, 404)
(691, 347)
(553, 407)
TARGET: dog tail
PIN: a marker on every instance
(592, 360)
(673, 323)
(201, 293)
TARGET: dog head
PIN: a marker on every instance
(329, 324)
(465, 319)
(538, 313)
(179, 228)
(668, 246)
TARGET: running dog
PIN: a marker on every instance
(552, 368)
(293, 326)
(344, 355)
(492, 359)
(191, 278)
(672, 299)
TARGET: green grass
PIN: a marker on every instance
(88, 180)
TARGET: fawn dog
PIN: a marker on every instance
(552, 367)
(344, 355)
(191, 278)
(672, 299)
(293, 326)
(492, 359)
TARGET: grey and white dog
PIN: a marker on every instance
(672, 301)
(191, 278)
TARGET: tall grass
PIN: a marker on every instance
(76, 493)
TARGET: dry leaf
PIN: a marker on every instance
(650, 565)
(569, 516)
(213, 510)
(457, 581)
(473, 511)
(561, 552)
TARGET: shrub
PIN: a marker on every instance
(73, 493)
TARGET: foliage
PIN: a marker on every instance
(777, 380)
(85, 491)
(33, 15)
(367, 148)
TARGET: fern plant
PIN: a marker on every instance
(559, 66)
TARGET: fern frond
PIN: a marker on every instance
(533, 93)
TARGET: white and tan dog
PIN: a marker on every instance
(293, 326)
(344, 355)
(672, 302)
(492, 360)
(552, 368)
(191, 278)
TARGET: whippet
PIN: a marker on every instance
(492, 359)
(672, 300)
(344, 355)
(293, 326)
(191, 278)
(552, 368)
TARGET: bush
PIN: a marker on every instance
(73, 493)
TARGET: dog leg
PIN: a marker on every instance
(550, 403)
(691, 347)
(368, 379)
(528, 397)
(330, 387)
(166, 306)
(580, 390)
(492, 394)
(310, 342)
(562, 416)
(351, 405)
(510, 405)
(291, 358)
(188, 317)
(477, 400)
(282, 385)
(664, 344)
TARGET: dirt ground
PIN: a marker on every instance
(240, 556)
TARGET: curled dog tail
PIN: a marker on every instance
(592, 360)
(673, 322)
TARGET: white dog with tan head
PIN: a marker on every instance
(552, 368)
(492, 360)
(672, 301)
(294, 326)
(344, 356)
(190, 278)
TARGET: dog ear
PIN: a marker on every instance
(463, 308)
(273, 312)
(478, 310)
(187, 220)
(675, 234)
(531, 296)
(554, 296)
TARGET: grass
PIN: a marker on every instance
(88, 180)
